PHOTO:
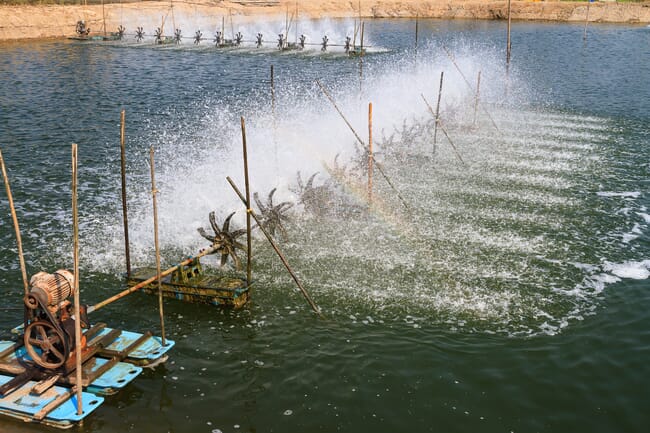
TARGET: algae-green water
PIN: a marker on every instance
(496, 285)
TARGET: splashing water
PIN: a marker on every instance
(502, 241)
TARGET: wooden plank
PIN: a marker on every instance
(17, 382)
(62, 398)
(45, 384)
(11, 349)
(93, 375)
(130, 348)
(94, 330)
(106, 339)
(14, 368)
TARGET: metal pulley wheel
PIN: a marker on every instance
(46, 345)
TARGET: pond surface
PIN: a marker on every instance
(497, 283)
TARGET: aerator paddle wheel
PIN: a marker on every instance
(139, 34)
(273, 215)
(323, 46)
(120, 32)
(225, 240)
(198, 37)
(177, 36)
(239, 38)
(81, 29)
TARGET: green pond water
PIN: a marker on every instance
(496, 285)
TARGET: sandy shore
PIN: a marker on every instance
(30, 22)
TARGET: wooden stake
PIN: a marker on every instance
(363, 26)
(75, 251)
(437, 117)
(104, 18)
(19, 243)
(125, 219)
(584, 36)
(252, 213)
(370, 155)
(478, 86)
(361, 61)
(453, 61)
(272, 92)
(417, 25)
(508, 46)
(248, 205)
(154, 191)
(232, 26)
(171, 7)
(286, 29)
(443, 129)
(362, 146)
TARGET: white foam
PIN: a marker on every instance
(633, 270)
(627, 194)
(645, 216)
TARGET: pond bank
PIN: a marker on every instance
(55, 21)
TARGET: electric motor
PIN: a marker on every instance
(49, 289)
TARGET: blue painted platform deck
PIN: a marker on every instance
(20, 404)
(147, 352)
(116, 358)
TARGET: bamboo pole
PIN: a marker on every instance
(363, 25)
(171, 7)
(453, 61)
(443, 129)
(362, 146)
(248, 204)
(478, 87)
(272, 92)
(584, 36)
(144, 283)
(125, 219)
(19, 242)
(75, 253)
(435, 126)
(154, 191)
(104, 18)
(370, 154)
(232, 26)
(286, 29)
(417, 28)
(508, 45)
(252, 213)
(361, 61)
